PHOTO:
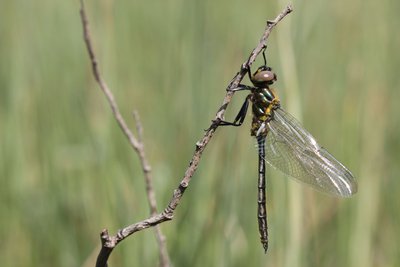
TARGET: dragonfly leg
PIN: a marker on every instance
(249, 72)
(265, 59)
(241, 87)
(240, 116)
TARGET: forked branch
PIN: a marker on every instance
(110, 242)
(136, 143)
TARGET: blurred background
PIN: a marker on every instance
(67, 171)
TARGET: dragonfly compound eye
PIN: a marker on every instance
(264, 77)
(267, 76)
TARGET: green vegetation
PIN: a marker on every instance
(67, 171)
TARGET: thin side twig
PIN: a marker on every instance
(136, 143)
(110, 242)
(151, 197)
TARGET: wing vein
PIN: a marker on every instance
(295, 152)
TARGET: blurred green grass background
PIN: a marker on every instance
(67, 171)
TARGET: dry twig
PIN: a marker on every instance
(136, 143)
(110, 242)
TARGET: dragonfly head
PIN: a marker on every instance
(263, 77)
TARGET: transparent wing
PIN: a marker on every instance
(294, 151)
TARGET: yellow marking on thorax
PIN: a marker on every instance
(275, 102)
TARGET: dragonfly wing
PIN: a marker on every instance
(294, 151)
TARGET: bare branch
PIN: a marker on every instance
(110, 242)
(151, 198)
(103, 85)
(136, 144)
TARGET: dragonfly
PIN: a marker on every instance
(286, 145)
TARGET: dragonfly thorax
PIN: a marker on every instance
(264, 102)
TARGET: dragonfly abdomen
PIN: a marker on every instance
(262, 211)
